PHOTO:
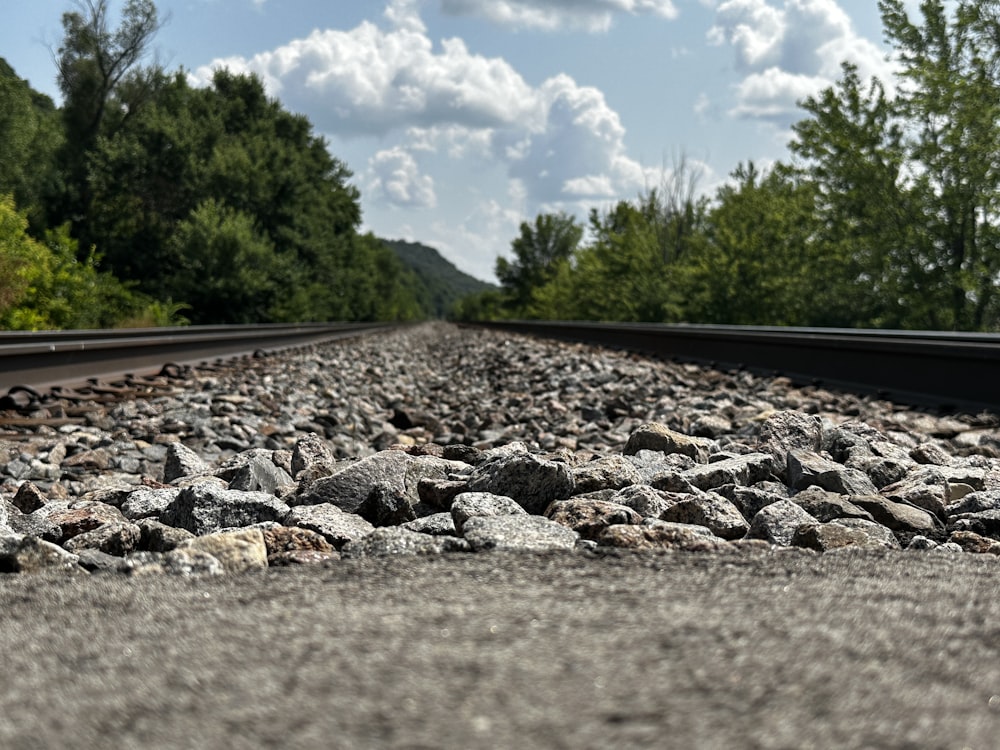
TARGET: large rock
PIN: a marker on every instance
(710, 510)
(826, 506)
(393, 540)
(647, 501)
(975, 502)
(879, 535)
(472, 504)
(351, 483)
(183, 462)
(807, 469)
(824, 537)
(238, 551)
(29, 554)
(531, 481)
(520, 533)
(897, 516)
(147, 502)
(590, 517)
(658, 437)
(743, 470)
(926, 487)
(75, 518)
(608, 472)
(784, 431)
(117, 538)
(260, 475)
(659, 536)
(311, 453)
(204, 509)
(336, 526)
(777, 522)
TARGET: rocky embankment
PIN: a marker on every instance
(440, 440)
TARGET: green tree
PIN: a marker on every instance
(950, 102)
(103, 86)
(537, 250)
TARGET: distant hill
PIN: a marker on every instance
(443, 282)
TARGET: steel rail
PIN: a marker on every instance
(43, 359)
(950, 371)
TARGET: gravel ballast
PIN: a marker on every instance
(358, 442)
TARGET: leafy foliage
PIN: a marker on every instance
(889, 215)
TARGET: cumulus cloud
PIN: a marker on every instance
(560, 140)
(788, 50)
(552, 15)
(394, 173)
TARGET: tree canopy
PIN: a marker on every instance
(887, 214)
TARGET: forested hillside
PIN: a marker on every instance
(441, 283)
(144, 200)
(887, 215)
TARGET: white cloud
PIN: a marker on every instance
(789, 50)
(394, 175)
(562, 141)
(552, 15)
(368, 81)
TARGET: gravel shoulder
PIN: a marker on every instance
(787, 649)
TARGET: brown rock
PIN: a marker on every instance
(658, 437)
(589, 518)
(970, 541)
(28, 498)
(660, 536)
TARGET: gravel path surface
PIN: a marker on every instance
(760, 650)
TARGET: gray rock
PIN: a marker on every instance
(204, 509)
(311, 453)
(806, 469)
(897, 516)
(519, 533)
(749, 500)
(260, 475)
(784, 431)
(531, 481)
(116, 538)
(743, 470)
(777, 522)
(473, 504)
(350, 484)
(393, 540)
(436, 524)
(647, 501)
(607, 472)
(336, 526)
(710, 510)
(826, 506)
(158, 537)
(146, 502)
(183, 462)
(975, 502)
(925, 487)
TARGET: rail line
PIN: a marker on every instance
(40, 360)
(949, 371)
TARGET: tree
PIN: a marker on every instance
(98, 66)
(537, 251)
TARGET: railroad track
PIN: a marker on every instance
(948, 371)
(31, 363)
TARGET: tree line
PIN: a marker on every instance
(144, 200)
(885, 216)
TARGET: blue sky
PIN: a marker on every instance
(462, 118)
